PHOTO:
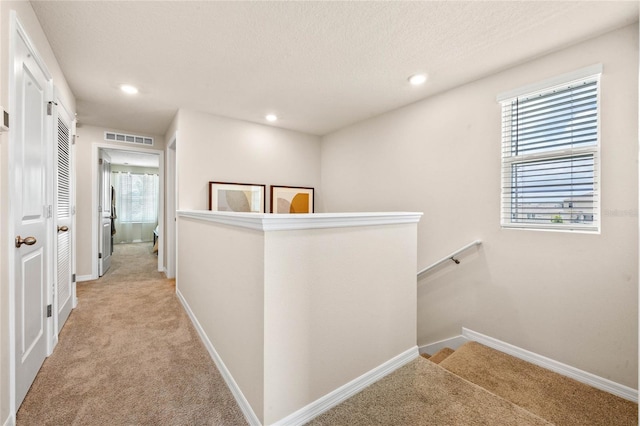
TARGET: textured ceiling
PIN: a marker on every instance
(319, 65)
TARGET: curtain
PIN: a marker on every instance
(136, 206)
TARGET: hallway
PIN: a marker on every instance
(129, 355)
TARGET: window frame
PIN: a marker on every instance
(508, 159)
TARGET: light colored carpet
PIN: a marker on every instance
(129, 355)
(422, 393)
(557, 398)
(441, 355)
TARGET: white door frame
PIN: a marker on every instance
(105, 206)
(171, 207)
(16, 30)
(96, 147)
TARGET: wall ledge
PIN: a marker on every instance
(289, 222)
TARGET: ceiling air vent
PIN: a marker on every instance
(121, 137)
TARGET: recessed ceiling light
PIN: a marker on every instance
(417, 79)
(129, 89)
(271, 117)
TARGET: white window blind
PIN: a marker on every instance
(550, 147)
(136, 197)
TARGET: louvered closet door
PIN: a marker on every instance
(64, 287)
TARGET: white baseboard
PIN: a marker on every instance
(54, 343)
(346, 391)
(452, 342)
(317, 407)
(550, 364)
(248, 412)
(81, 278)
(10, 421)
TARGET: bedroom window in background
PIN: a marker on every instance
(550, 154)
(136, 197)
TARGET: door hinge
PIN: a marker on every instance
(48, 311)
(50, 212)
(73, 139)
(50, 105)
(99, 255)
(100, 161)
(73, 278)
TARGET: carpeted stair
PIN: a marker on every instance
(551, 396)
(439, 356)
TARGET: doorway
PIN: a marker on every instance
(134, 197)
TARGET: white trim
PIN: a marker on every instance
(551, 82)
(16, 30)
(248, 412)
(80, 278)
(13, 31)
(32, 48)
(566, 370)
(288, 222)
(346, 391)
(170, 241)
(452, 342)
(54, 340)
(10, 421)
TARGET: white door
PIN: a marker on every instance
(63, 210)
(104, 215)
(31, 215)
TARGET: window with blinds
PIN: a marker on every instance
(550, 147)
(136, 197)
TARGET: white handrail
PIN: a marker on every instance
(452, 256)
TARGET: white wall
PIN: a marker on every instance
(337, 304)
(571, 297)
(295, 312)
(87, 137)
(223, 285)
(31, 25)
(212, 148)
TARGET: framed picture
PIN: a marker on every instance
(236, 197)
(291, 199)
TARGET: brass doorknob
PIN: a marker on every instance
(63, 228)
(28, 241)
